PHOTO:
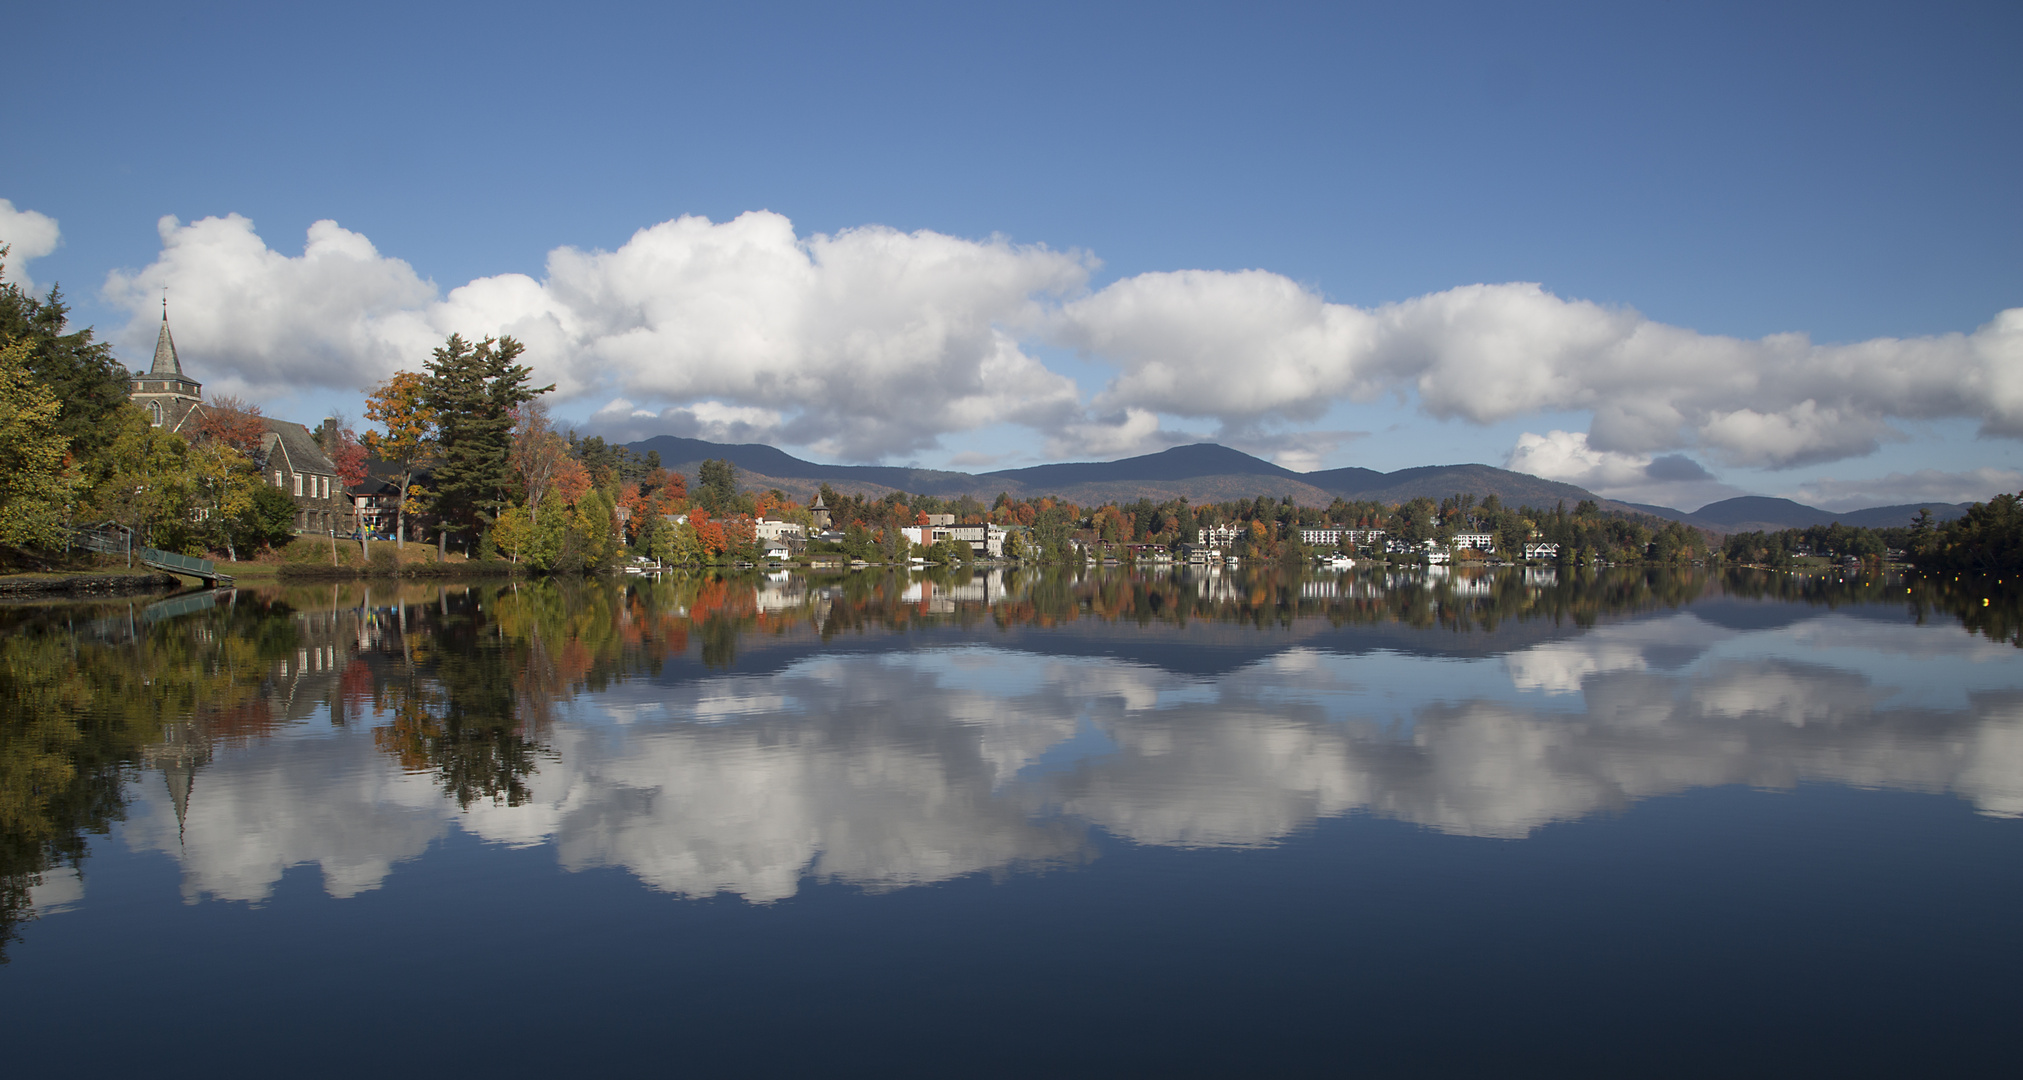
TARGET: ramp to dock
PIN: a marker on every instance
(114, 539)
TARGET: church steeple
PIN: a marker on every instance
(167, 395)
(166, 362)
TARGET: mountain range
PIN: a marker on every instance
(1753, 513)
(1207, 472)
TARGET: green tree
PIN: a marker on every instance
(267, 519)
(1988, 538)
(716, 482)
(151, 485)
(677, 545)
(523, 538)
(36, 480)
(474, 391)
(88, 384)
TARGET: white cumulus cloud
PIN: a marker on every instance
(1566, 456)
(250, 320)
(621, 421)
(27, 235)
(1254, 347)
(872, 343)
(864, 343)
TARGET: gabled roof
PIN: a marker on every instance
(298, 447)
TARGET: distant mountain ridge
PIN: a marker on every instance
(1214, 473)
(1761, 513)
(1201, 472)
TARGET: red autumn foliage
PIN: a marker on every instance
(349, 458)
(668, 486)
(231, 421)
(634, 506)
(709, 534)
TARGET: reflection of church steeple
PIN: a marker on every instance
(180, 753)
(182, 779)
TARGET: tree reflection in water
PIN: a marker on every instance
(91, 694)
(463, 684)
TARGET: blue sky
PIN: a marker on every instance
(997, 236)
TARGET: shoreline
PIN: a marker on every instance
(87, 584)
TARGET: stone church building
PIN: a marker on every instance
(290, 456)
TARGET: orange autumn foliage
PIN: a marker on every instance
(571, 480)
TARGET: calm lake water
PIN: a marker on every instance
(1622, 823)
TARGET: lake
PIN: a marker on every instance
(1107, 822)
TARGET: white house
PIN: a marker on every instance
(1221, 536)
(985, 541)
(1331, 536)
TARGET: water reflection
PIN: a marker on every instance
(747, 736)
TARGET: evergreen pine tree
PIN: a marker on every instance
(474, 390)
(89, 385)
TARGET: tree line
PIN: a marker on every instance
(1047, 527)
(1987, 539)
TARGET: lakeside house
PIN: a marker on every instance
(376, 500)
(985, 541)
(290, 457)
(1331, 536)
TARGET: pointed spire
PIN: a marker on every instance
(181, 777)
(166, 362)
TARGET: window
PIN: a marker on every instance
(298, 483)
(326, 487)
(155, 413)
(277, 478)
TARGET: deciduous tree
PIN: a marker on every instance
(538, 454)
(88, 384)
(409, 441)
(37, 481)
(233, 422)
(344, 449)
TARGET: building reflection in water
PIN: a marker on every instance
(747, 736)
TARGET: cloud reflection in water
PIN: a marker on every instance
(884, 770)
